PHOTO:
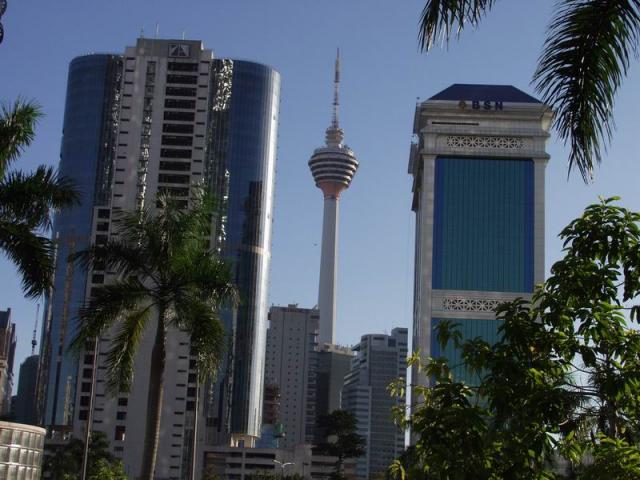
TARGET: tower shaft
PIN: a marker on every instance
(333, 167)
(328, 271)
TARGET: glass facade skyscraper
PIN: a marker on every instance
(241, 171)
(160, 117)
(478, 165)
(87, 158)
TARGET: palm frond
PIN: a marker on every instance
(17, 130)
(30, 197)
(441, 18)
(124, 346)
(208, 336)
(108, 304)
(586, 54)
(214, 281)
(117, 256)
(32, 254)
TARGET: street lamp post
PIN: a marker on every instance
(282, 466)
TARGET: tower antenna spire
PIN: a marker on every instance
(336, 86)
(35, 329)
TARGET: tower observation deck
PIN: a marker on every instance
(333, 167)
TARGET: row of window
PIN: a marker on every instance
(177, 140)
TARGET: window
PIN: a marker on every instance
(180, 116)
(120, 433)
(191, 392)
(192, 378)
(177, 140)
(182, 79)
(174, 191)
(175, 153)
(182, 67)
(181, 91)
(101, 239)
(88, 359)
(83, 414)
(179, 103)
(97, 278)
(121, 415)
(86, 387)
(104, 213)
(123, 402)
(84, 401)
(178, 166)
(164, 178)
(86, 373)
(177, 128)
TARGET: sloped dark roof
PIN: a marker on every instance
(493, 93)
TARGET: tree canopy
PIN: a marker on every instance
(561, 383)
(342, 439)
(66, 463)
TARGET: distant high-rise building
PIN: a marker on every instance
(330, 365)
(333, 167)
(291, 345)
(478, 166)
(25, 400)
(308, 376)
(7, 352)
(161, 117)
(379, 360)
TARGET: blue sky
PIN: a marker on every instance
(383, 73)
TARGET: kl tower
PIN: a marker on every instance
(332, 166)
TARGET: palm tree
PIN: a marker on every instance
(27, 200)
(168, 276)
(585, 57)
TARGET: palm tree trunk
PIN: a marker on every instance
(154, 400)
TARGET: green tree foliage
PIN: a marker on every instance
(169, 276)
(585, 57)
(66, 463)
(27, 200)
(342, 440)
(562, 382)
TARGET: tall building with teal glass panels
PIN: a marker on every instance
(478, 161)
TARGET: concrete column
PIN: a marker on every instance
(328, 271)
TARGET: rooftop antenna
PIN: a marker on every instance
(184, 32)
(35, 329)
(142, 31)
(157, 29)
(336, 83)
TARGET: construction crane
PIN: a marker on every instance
(35, 329)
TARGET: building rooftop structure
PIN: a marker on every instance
(476, 92)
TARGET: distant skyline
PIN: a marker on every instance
(383, 73)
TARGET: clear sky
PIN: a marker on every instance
(383, 73)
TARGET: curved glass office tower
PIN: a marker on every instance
(240, 168)
(86, 157)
